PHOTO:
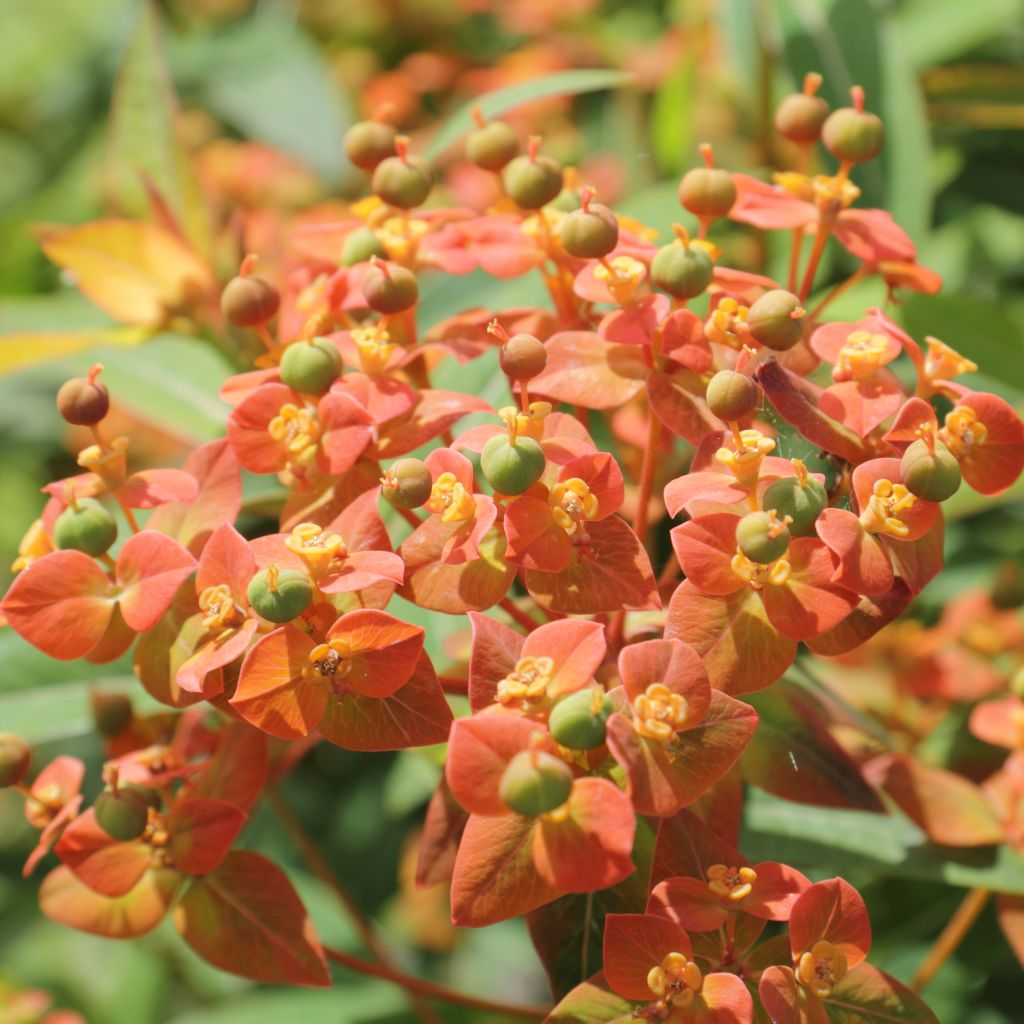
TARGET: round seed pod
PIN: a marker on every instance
(799, 117)
(14, 759)
(574, 723)
(287, 599)
(567, 200)
(534, 783)
(311, 366)
(367, 143)
(408, 483)
(532, 181)
(933, 476)
(853, 136)
(402, 182)
(83, 401)
(112, 712)
(361, 245)
(590, 233)
(732, 395)
(707, 191)
(1008, 589)
(123, 815)
(803, 505)
(522, 357)
(250, 300)
(754, 538)
(492, 145)
(772, 322)
(682, 270)
(390, 288)
(147, 794)
(86, 526)
(512, 468)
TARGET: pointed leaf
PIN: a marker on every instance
(202, 832)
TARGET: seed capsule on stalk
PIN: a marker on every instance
(590, 232)
(402, 180)
(853, 134)
(762, 537)
(280, 595)
(707, 192)
(83, 401)
(682, 268)
(531, 180)
(534, 783)
(367, 143)
(311, 366)
(407, 483)
(122, 814)
(389, 287)
(775, 320)
(249, 299)
(86, 526)
(491, 144)
(799, 117)
(14, 759)
(731, 395)
(930, 471)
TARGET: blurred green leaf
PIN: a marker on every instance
(671, 117)
(941, 30)
(562, 83)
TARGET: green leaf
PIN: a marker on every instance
(671, 120)
(562, 83)
(936, 31)
(823, 839)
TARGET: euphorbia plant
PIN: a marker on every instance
(595, 783)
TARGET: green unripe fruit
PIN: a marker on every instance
(682, 269)
(492, 145)
(532, 181)
(762, 537)
(250, 300)
(390, 288)
(407, 483)
(147, 794)
(853, 136)
(311, 366)
(567, 200)
(803, 504)
(402, 182)
(931, 475)
(112, 712)
(123, 815)
(590, 233)
(576, 723)
(83, 401)
(707, 191)
(85, 526)
(534, 783)
(512, 468)
(800, 117)
(14, 759)
(732, 395)
(775, 320)
(367, 143)
(280, 595)
(361, 245)
(522, 357)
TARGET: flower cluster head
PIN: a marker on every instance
(680, 473)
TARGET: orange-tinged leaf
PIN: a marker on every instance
(576, 648)
(384, 649)
(137, 273)
(439, 841)
(584, 369)
(103, 864)
(202, 832)
(1010, 913)
(246, 918)
(496, 649)
(870, 996)
(150, 569)
(237, 771)
(832, 910)
(780, 995)
(633, 945)
(593, 1002)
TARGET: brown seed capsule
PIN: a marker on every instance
(407, 483)
(532, 181)
(14, 759)
(492, 144)
(799, 117)
(248, 300)
(112, 712)
(732, 395)
(403, 181)
(389, 287)
(708, 191)
(522, 357)
(83, 401)
(775, 320)
(367, 143)
(852, 134)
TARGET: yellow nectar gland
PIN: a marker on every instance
(861, 356)
(219, 605)
(744, 459)
(885, 509)
(317, 548)
(821, 969)
(730, 882)
(110, 464)
(758, 575)
(331, 662)
(297, 429)
(945, 363)
(659, 713)
(728, 324)
(449, 499)
(528, 681)
(525, 424)
(375, 348)
(622, 275)
(44, 803)
(963, 431)
(572, 505)
(676, 980)
(34, 544)
(400, 236)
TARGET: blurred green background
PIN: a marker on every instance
(947, 76)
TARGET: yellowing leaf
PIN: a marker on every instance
(25, 347)
(137, 273)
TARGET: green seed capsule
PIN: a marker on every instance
(522, 357)
(250, 300)
(311, 366)
(407, 483)
(492, 145)
(575, 722)
(390, 288)
(367, 143)
(512, 468)
(803, 504)
(682, 269)
(147, 794)
(776, 320)
(280, 595)
(931, 475)
(707, 191)
(590, 233)
(731, 395)
(14, 759)
(361, 245)
(534, 783)
(402, 182)
(762, 537)
(853, 136)
(532, 181)
(85, 526)
(122, 815)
